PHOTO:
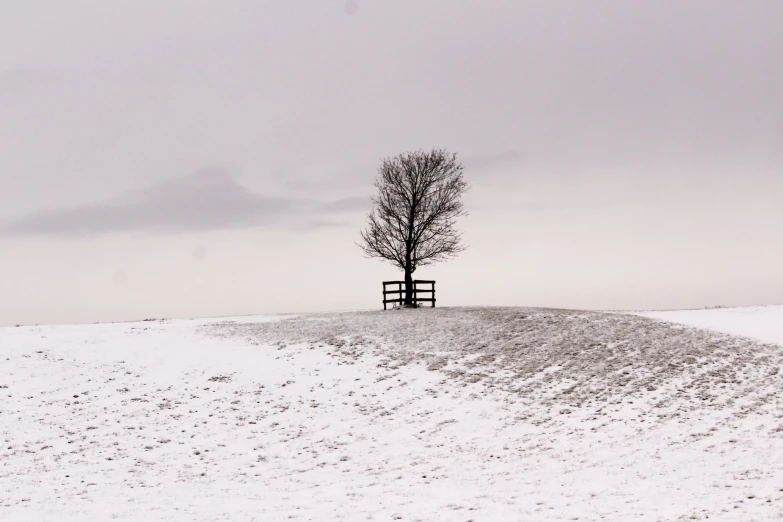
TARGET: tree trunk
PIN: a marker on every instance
(408, 286)
(409, 257)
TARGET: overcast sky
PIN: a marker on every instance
(181, 158)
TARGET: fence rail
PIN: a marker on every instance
(400, 291)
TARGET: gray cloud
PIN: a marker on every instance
(347, 205)
(351, 7)
(325, 223)
(491, 169)
(339, 180)
(18, 82)
(208, 199)
(571, 204)
(491, 161)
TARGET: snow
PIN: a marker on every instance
(432, 414)
(759, 322)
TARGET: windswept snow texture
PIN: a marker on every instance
(760, 322)
(431, 414)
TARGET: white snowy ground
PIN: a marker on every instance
(445, 414)
(760, 322)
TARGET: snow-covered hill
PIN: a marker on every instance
(431, 414)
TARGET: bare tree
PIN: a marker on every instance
(412, 222)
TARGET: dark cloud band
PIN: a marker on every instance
(209, 199)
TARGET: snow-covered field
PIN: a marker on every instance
(482, 414)
(760, 322)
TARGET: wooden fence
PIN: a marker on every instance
(400, 291)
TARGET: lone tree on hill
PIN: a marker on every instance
(412, 222)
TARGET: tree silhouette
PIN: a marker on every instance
(412, 222)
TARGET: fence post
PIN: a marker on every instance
(433, 294)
